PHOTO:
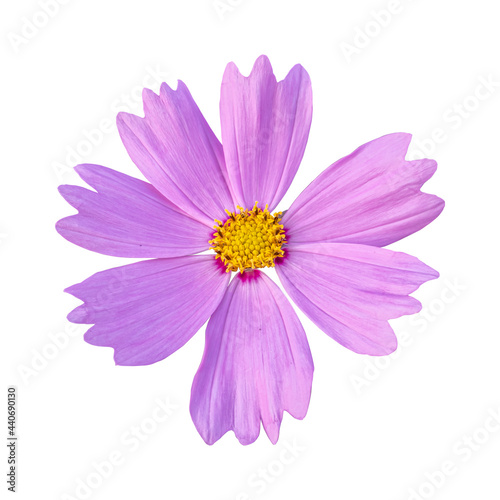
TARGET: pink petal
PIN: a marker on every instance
(265, 126)
(175, 149)
(350, 291)
(128, 217)
(256, 364)
(370, 197)
(148, 310)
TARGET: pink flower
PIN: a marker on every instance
(326, 248)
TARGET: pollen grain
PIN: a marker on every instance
(250, 239)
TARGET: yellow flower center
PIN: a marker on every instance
(249, 239)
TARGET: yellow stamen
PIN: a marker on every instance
(250, 239)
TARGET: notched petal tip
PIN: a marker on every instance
(267, 365)
(166, 90)
(60, 227)
(92, 339)
(245, 440)
(148, 94)
(429, 272)
(387, 348)
(261, 66)
(353, 290)
(257, 106)
(402, 139)
(440, 204)
(152, 101)
(86, 171)
(135, 308)
(211, 439)
(78, 315)
(75, 289)
(299, 72)
(372, 196)
(230, 70)
(178, 153)
(126, 359)
(73, 195)
(397, 143)
(125, 120)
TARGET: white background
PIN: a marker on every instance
(374, 431)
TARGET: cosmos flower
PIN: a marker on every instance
(203, 195)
